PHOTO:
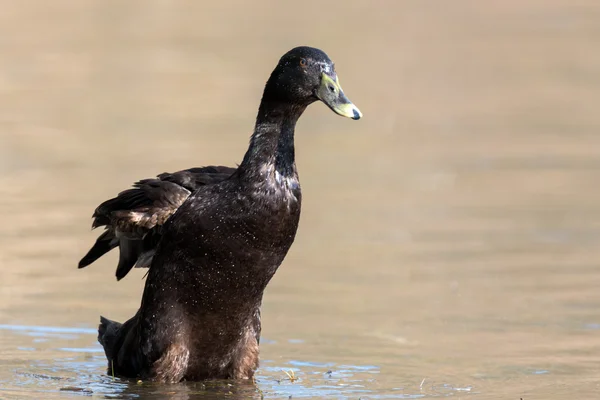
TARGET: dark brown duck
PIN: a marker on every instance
(213, 238)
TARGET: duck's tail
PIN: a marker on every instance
(108, 333)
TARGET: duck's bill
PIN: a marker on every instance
(330, 92)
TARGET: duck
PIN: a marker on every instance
(212, 238)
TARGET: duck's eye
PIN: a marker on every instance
(303, 62)
(331, 88)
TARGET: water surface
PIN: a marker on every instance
(449, 241)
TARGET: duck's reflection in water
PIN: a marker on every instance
(239, 389)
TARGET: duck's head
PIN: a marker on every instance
(305, 75)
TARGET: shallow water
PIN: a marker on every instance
(449, 241)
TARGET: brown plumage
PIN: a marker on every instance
(133, 220)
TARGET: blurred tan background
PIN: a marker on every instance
(451, 235)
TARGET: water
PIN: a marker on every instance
(449, 241)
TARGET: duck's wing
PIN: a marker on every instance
(133, 220)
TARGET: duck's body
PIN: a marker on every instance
(200, 311)
(229, 240)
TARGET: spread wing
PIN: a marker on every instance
(133, 220)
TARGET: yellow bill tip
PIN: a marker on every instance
(348, 110)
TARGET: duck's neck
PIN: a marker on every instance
(272, 143)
